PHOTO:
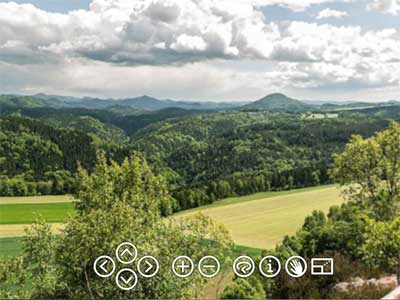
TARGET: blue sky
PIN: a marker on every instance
(358, 15)
(202, 49)
(57, 5)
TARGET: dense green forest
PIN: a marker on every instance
(124, 201)
(204, 155)
(362, 235)
(212, 156)
(36, 158)
(128, 169)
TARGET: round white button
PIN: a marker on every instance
(148, 266)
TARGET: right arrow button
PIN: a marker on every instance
(148, 266)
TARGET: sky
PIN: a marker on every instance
(202, 50)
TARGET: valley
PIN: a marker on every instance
(256, 221)
(270, 171)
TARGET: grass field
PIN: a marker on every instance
(36, 199)
(11, 230)
(10, 246)
(256, 221)
(263, 222)
(257, 196)
(28, 213)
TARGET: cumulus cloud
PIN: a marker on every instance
(331, 13)
(329, 56)
(385, 6)
(333, 76)
(141, 32)
(144, 41)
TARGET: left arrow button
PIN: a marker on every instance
(104, 266)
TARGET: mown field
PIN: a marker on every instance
(263, 222)
(36, 199)
(256, 221)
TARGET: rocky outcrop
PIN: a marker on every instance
(357, 282)
(394, 295)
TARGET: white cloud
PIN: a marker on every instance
(168, 47)
(331, 13)
(99, 79)
(326, 56)
(385, 6)
(333, 76)
(188, 43)
(153, 32)
(295, 5)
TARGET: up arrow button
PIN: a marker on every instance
(126, 253)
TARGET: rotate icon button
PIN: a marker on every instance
(243, 266)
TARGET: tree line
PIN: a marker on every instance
(203, 157)
(213, 156)
(362, 235)
(122, 202)
(36, 158)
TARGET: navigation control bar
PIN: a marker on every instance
(208, 266)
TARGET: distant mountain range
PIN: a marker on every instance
(145, 103)
(130, 106)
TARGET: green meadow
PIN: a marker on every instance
(28, 213)
(263, 222)
(257, 221)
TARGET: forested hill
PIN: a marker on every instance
(36, 158)
(133, 106)
(211, 156)
(279, 103)
(136, 104)
(114, 118)
(204, 155)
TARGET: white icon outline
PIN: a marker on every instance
(143, 273)
(287, 266)
(133, 275)
(251, 262)
(321, 273)
(261, 268)
(108, 259)
(134, 255)
(185, 258)
(200, 266)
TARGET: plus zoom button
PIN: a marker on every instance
(182, 266)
